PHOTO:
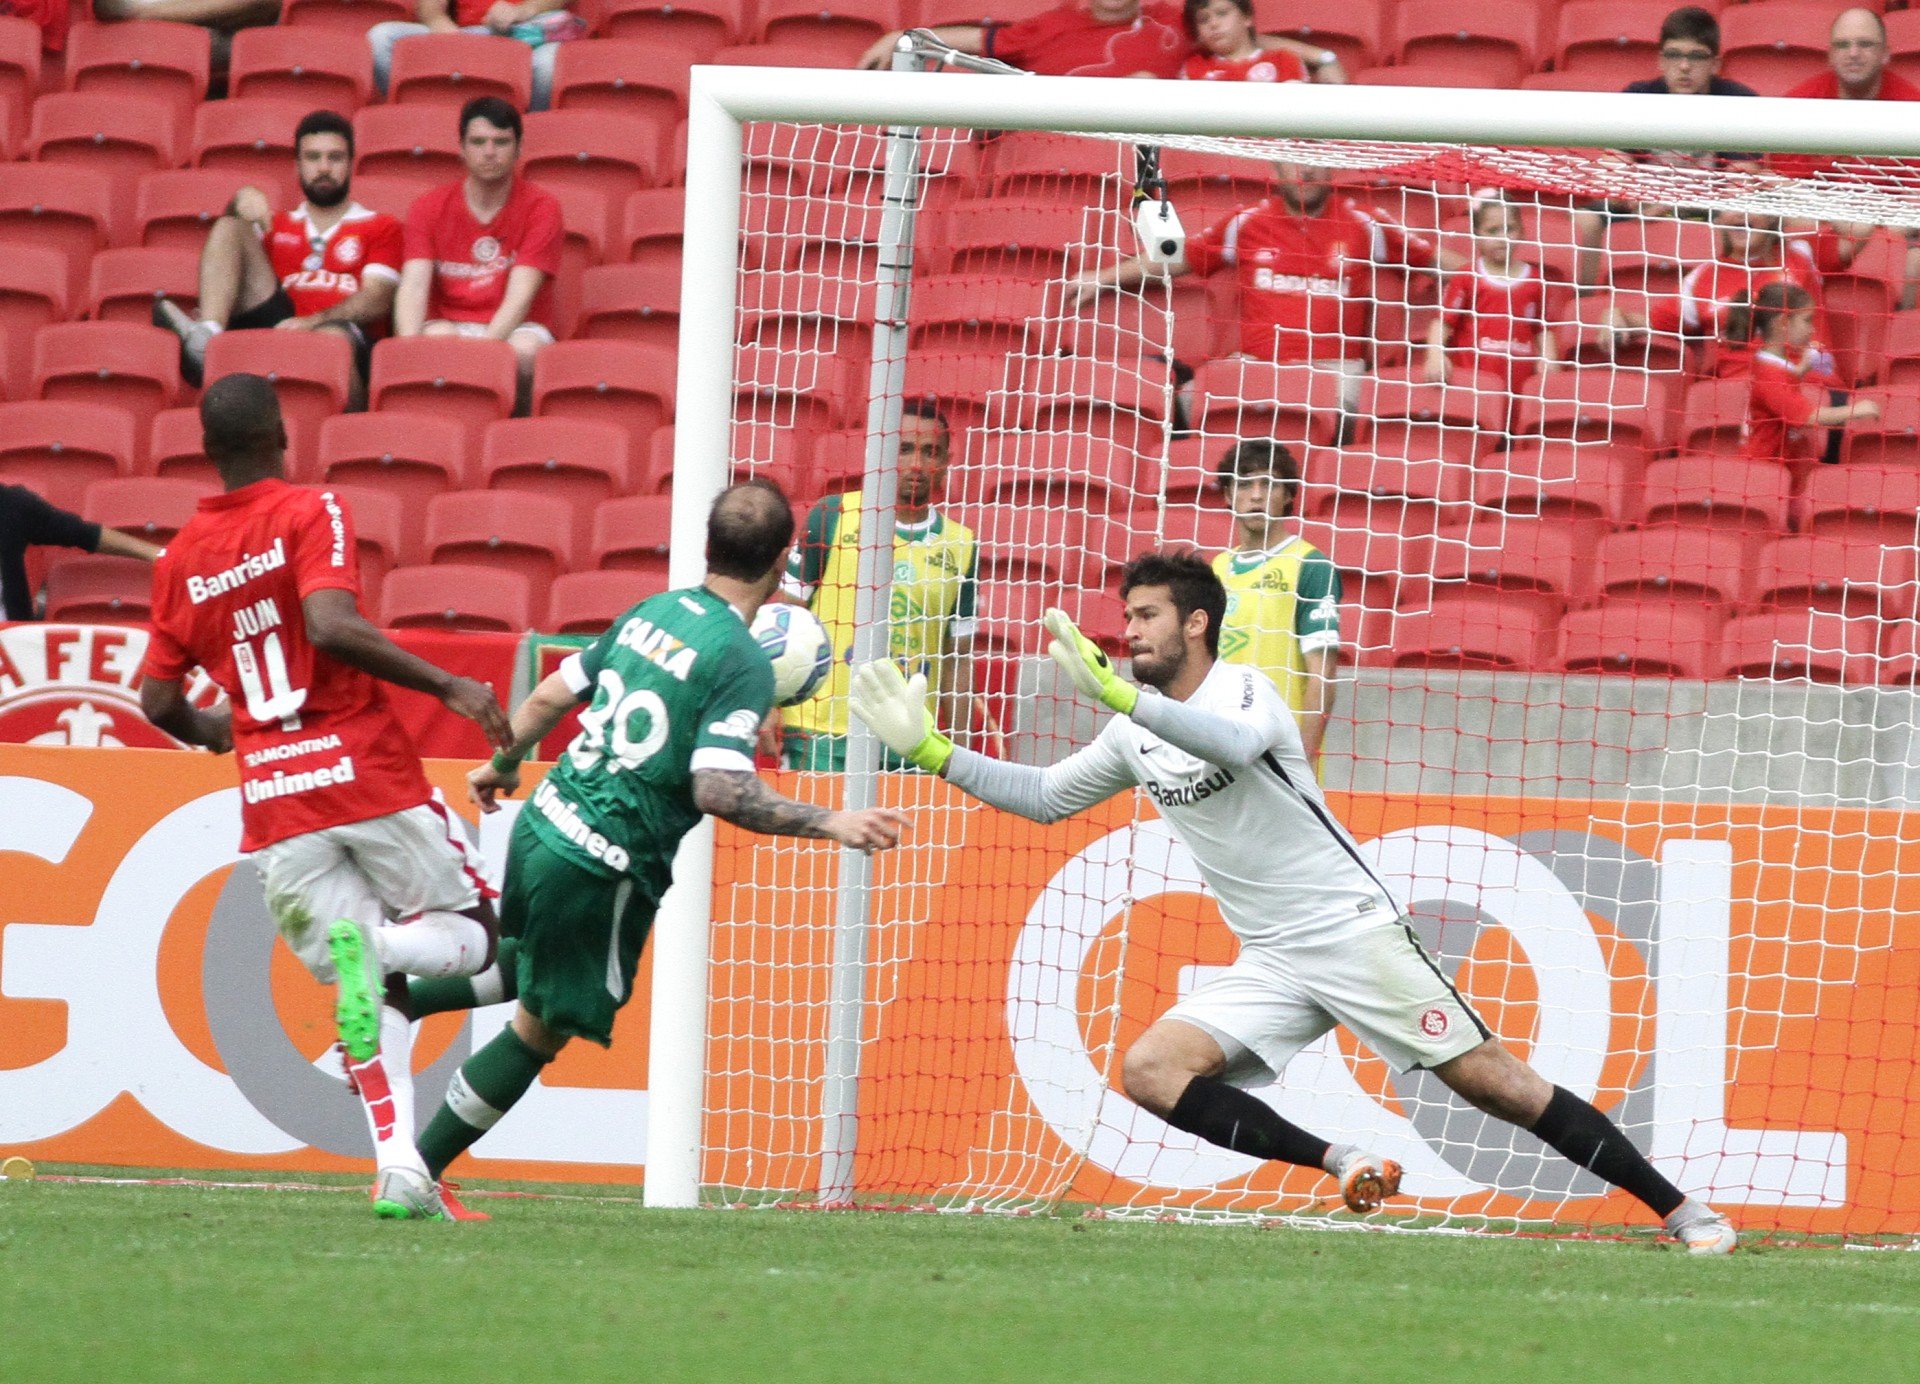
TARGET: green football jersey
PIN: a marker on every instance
(677, 684)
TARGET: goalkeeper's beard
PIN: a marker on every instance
(1152, 668)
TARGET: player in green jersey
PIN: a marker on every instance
(676, 690)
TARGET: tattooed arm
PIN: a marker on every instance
(742, 798)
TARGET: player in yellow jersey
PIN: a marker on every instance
(935, 580)
(1283, 594)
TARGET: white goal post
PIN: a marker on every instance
(724, 101)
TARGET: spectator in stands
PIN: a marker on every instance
(223, 16)
(481, 252)
(53, 16)
(1857, 64)
(935, 584)
(327, 265)
(1789, 380)
(1229, 50)
(542, 24)
(1303, 258)
(1493, 314)
(25, 520)
(1283, 594)
(1101, 38)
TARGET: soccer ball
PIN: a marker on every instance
(796, 644)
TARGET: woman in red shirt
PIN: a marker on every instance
(1784, 410)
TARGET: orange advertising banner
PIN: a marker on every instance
(1739, 986)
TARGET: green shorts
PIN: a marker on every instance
(580, 935)
(823, 753)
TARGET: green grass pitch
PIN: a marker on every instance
(159, 1283)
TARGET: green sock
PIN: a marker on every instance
(484, 1089)
(500, 981)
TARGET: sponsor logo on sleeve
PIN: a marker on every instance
(741, 725)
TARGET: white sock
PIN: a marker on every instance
(435, 945)
(1336, 1155)
(385, 1083)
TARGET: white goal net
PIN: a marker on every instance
(1614, 461)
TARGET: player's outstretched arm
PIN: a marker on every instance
(336, 628)
(743, 798)
(166, 705)
(533, 721)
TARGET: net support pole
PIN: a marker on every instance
(872, 638)
(683, 928)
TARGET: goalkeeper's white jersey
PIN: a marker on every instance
(1280, 866)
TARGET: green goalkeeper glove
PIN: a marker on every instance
(895, 709)
(1088, 665)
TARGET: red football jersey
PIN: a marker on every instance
(1069, 42)
(1708, 290)
(1304, 279)
(471, 259)
(320, 270)
(317, 744)
(1261, 67)
(1494, 323)
(1783, 402)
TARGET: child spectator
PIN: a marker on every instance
(1785, 410)
(1493, 315)
(1231, 50)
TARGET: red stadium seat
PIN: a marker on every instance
(100, 591)
(132, 367)
(847, 27)
(1848, 576)
(142, 58)
(452, 69)
(20, 43)
(1379, 569)
(633, 534)
(1009, 618)
(343, 16)
(528, 534)
(1494, 39)
(698, 27)
(1535, 562)
(1715, 417)
(1020, 238)
(1902, 349)
(379, 529)
(1611, 41)
(1674, 640)
(414, 456)
(1473, 630)
(1862, 503)
(60, 448)
(1051, 167)
(584, 464)
(1903, 42)
(174, 208)
(324, 71)
(653, 226)
(808, 315)
(1709, 492)
(611, 155)
(123, 284)
(1043, 543)
(120, 136)
(311, 372)
(419, 142)
(176, 447)
(468, 380)
(628, 386)
(1587, 481)
(1241, 397)
(785, 394)
(1598, 404)
(631, 302)
(1587, 79)
(621, 77)
(453, 597)
(1353, 30)
(1208, 528)
(1121, 405)
(1421, 421)
(589, 602)
(253, 138)
(391, 193)
(1775, 46)
(1710, 567)
(33, 293)
(1432, 73)
(965, 313)
(1818, 645)
(1373, 491)
(149, 507)
(70, 210)
(1892, 439)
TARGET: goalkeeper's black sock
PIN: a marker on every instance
(1582, 1134)
(483, 1090)
(500, 981)
(1227, 1116)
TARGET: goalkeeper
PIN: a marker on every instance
(1322, 941)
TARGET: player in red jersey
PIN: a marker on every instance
(1791, 399)
(365, 872)
(482, 253)
(1101, 38)
(1493, 314)
(328, 264)
(1231, 50)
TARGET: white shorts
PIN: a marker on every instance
(385, 868)
(475, 330)
(1381, 986)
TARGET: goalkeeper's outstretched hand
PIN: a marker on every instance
(1088, 665)
(895, 709)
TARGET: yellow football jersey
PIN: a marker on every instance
(1283, 605)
